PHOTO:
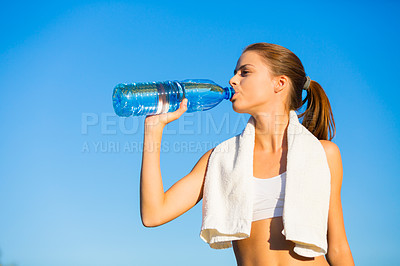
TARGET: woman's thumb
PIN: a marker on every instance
(185, 102)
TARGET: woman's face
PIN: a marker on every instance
(254, 85)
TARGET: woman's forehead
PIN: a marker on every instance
(250, 58)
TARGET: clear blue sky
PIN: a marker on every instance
(69, 168)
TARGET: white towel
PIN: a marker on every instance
(227, 196)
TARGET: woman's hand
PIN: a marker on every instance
(161, 120)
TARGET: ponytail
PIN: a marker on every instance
(318, 117)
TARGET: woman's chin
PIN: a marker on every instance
(237, 109)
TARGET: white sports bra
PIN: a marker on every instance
(269, 196)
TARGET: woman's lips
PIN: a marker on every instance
(234, 96)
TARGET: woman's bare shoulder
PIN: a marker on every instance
(330, 147)
(334, 160)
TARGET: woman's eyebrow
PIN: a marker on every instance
(242, 66)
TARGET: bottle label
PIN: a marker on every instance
(163, 104)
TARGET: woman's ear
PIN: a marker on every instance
(281, 82)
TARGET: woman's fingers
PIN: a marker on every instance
(164, 119)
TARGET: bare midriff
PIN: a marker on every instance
(267, 246)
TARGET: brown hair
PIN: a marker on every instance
(318, 117)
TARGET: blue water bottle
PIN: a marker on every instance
(148, 98)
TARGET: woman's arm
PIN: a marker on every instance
(157, 207)
(338, 248)
(151, 186)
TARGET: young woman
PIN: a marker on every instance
(268, 81)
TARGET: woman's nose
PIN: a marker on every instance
(232, 81)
